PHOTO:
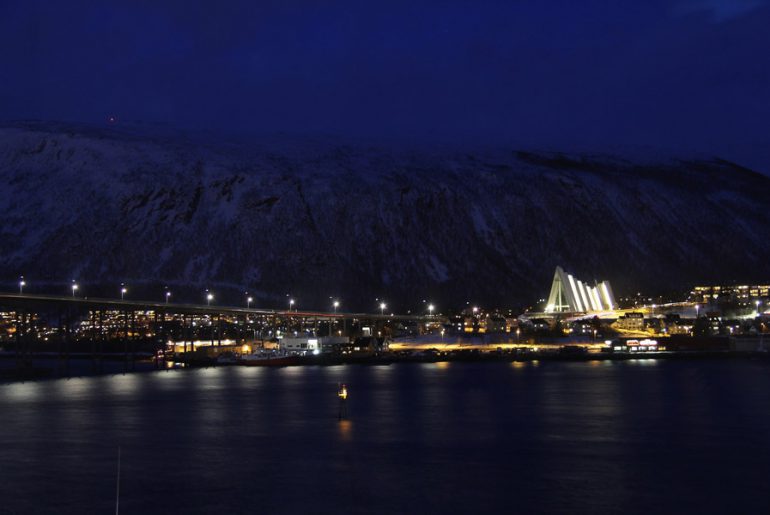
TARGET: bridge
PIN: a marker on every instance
(27, 302)
(36, 325)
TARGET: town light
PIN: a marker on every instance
(123, 291)
(249, 300)
(22, 284)
(382, 308)
(291, 304)
(168, 294)
(336, 305)
(209, 298)
(74, 287)
(430, 309)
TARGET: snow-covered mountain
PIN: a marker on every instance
(318, 219)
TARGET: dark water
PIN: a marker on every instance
(599, 437)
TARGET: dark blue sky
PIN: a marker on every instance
(689, 75)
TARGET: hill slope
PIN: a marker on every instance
(362, 222)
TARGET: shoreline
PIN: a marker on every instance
(34, 372)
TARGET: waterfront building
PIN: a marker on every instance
(679, 326)
(630, 322)
(367, 345)
(337, 345)
(540, 324)
(301, 345)
(571, 295)
(495, 323)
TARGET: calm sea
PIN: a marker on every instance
(640, 436)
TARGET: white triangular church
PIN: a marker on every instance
(569, 295)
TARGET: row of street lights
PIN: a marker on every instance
(209, 296)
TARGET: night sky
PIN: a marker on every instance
(682, 75)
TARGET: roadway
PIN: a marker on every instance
(34, 301)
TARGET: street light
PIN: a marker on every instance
(209, 298)
(22, 284)
(123, 291)
(382, 308)
(291, 304)
(249, 300)
(697, 310)
(336, 305)
(757, 302)
(430, 309)
(74, 287)
(168, 294)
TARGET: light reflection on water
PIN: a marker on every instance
(346, 430)
(564, 437)
(644, 362)
(23, 392)
(120, 385)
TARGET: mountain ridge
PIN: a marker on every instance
(366, 222)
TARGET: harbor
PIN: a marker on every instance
(44, 336)
(534, 436)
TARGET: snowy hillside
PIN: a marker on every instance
(361, 222)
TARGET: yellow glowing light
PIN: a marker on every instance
(343, 392)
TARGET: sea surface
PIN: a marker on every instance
(641, 436)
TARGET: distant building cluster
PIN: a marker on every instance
(731, 293)
(590, 313)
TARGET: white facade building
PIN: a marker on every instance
(307, 345)
(570, 295)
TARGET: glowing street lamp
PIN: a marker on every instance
(757, 302)
(382, 308)
(209, 298)
(431, 307)
(249, 300)
(475, 310)
(123, 291)
(168, 294)
(291, 304)
(335, 304)
(74, 287)
(697, 310)
(22, 284)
